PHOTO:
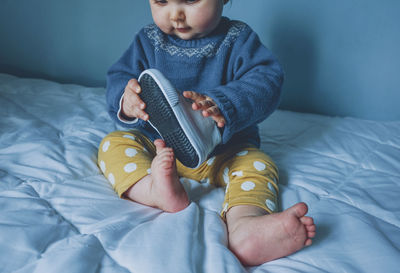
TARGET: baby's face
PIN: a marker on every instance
(187, 19)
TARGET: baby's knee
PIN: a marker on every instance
(124, 158)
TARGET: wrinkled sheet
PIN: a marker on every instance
(59, 214)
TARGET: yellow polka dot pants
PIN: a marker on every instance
(249, 175)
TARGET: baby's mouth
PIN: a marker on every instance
(183, 29)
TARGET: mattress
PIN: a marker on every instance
(59, 214)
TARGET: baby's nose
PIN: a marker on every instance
(177, 15)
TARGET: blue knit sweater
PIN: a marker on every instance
(230, 65)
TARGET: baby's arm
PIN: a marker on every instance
(132, 105)
(207, 105)
(251, 89)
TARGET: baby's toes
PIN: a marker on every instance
(167, 159)
(310, 230)
(307, 221)
(311, 234)
(308, 242)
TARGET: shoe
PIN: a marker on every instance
(191, 136)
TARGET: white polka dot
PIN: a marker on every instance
(248, 186)
(242, 153)
(103, 166)
(271, 188)
(149, 171)
(129, 136)
(226, 175)
(106, 145)
(130, 152)
(130, 167)
(259, 165)
(111, 178)
(238, 173)
(226, 179)
(210, 161)
(271, 205)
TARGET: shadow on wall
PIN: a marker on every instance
(297, 54)
(296, 50)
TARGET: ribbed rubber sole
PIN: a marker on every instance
(162, 117)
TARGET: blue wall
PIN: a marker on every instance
(341, 57)
(67, 41)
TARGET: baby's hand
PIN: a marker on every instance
(132, 104)
(207, 105)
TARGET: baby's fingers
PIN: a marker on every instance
(216, 115)
(211, 111)
(205, 105)
(133, 85)
(134, 109)
(193, 95)
(195, 98)
(220, 120)
(132, 104)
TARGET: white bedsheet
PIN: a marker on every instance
(59, 214)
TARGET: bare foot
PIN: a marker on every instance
(257, 238)
(166, 187)
(162, 188)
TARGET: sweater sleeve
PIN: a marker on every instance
(129, 66)
(253, 92)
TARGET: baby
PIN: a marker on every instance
(232, 79)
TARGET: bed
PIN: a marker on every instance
(59, 214)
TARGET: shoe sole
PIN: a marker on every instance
(155, 91)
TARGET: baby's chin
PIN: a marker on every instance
(188, 34)
(185, 36)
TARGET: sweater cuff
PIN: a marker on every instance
(122, 117)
